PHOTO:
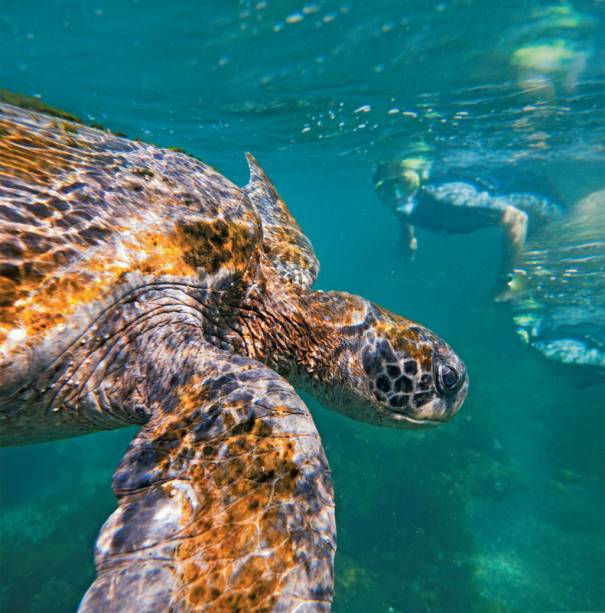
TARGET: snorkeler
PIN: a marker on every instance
(457, 205)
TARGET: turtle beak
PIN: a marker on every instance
(440, 409)
(453, 404)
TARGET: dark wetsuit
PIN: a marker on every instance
(460, 207)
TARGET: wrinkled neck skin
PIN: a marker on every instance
(284, 327)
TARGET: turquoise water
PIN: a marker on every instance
(501, 510)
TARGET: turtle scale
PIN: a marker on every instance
(142, 287)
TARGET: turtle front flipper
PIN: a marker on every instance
(225, 502)
(288, 249)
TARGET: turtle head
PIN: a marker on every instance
(386, 369)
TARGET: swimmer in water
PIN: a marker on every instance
(458, 205)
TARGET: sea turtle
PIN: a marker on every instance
(140, 286)
(457, 202)
(557, 290)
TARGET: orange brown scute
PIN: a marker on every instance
(336, 308)
(37, 306)
(212, 245)
(405, 336)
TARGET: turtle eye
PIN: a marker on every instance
(448, 378)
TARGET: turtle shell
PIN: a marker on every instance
(81, 210)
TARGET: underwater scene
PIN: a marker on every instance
(446, 159)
